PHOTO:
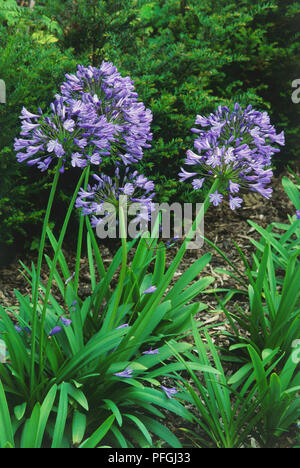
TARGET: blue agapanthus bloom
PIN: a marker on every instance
(97, 118)
(108, 103)
(134, 187)
(59, 135)
(236, 147)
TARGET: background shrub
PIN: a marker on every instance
(32, 66)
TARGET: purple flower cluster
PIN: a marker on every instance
(235, 147)
(96, 118)
(118, 124)
(58, 136)
(134, 187)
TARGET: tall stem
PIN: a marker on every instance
(35, 292)
(123, 233)
(53, 268)
(80, 236)
(175, 263)
(146, 315)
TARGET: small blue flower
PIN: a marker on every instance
(235, 202)
(233, 187)
(110, 190)
(197, 183)
(25, 114)
(55, 330)
(150, 290)
(126, 373)
(151, 351)
(65, 321)
(69, 125)
(78, 161)
(69, 279)
(216, 198)
(169, 391)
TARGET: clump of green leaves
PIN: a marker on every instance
(271, 284)
(83, 359)
(256, 404)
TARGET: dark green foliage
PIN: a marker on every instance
(32, 66)
(186, 57)
(87, 26)
(195, 55)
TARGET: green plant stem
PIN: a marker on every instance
(97, 253)
(123, 267)
(35, 293)
(175, 263)
(79, 240)
(53, 267)
(145, 316)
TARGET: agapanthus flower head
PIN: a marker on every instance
(108, 106)
(236, 147)
(113, 192)
(57, 135)
(298, 214)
